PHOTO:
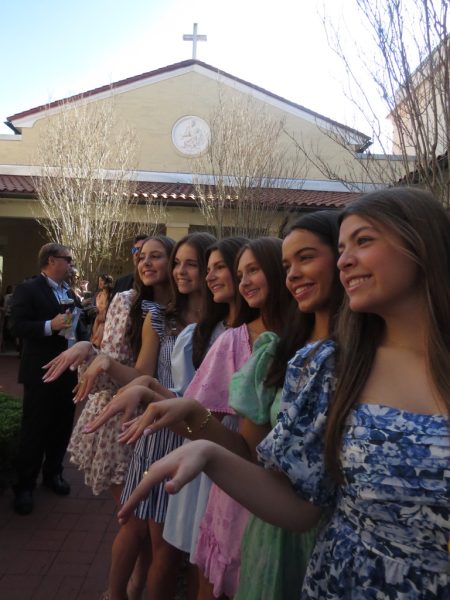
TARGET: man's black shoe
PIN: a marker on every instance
(23, 502)
(57, 484)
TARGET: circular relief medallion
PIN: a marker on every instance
(191, 135)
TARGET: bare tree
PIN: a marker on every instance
(248, 155)
(87, 188)
(397, 65)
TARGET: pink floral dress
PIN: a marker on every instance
(101, 457)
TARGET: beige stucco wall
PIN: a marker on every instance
(426, 103)
(153, 109)
(20, 240)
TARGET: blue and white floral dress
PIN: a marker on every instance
(390, 520)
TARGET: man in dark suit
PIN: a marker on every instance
(126, 282)
(39, 314)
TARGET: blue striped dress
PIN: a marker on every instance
(150, 448)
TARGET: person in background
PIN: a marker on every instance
(6, 308)
(39, 315)
(126, 282)
(102, 302)
(79, 286)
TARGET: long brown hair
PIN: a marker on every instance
(214, 312)
(199, 241)
(424, 228)
(299, 325)
(267, 252)
(144, 293)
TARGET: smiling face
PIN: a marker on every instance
(253, 285)
(186, 272)
(375, 270)
(219, 279)
(310, 268)
(153, 263)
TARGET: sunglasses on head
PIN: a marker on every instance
(68, 259)
(135, 250)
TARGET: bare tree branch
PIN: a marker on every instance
(87, 187)
(248, 154)
(397, 65)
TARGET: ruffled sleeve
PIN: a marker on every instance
(295, 445)
(249, 396)
(211, 381)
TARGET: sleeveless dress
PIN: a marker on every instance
(150, 448)
(273, 560)
(209, 386)
(101, 457)
(390, 523)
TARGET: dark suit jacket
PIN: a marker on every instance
(34, 303)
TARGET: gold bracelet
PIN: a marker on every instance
(206, 420)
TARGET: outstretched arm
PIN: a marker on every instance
(267, 494)
(122, 374)
(69, 359)
(126, 401)
(189, 418)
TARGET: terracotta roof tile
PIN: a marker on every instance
(16, 184)
(186, 194)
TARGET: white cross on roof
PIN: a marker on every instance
(194, 38)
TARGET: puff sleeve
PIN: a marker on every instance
(295, 445)
(249, 396)
(211, 381)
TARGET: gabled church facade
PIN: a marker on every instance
(169, 109)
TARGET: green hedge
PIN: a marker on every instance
(10, 415)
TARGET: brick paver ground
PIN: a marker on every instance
(62, 550)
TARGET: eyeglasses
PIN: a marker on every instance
(68, 259)
(135, 250)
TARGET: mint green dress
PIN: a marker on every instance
(273, 560)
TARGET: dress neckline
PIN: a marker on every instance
(368, 405)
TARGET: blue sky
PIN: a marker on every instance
(50, 49)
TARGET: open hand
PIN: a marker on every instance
(169, 412)
(100, 364)
(127, 400)
(70, 358)
(182, 465)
